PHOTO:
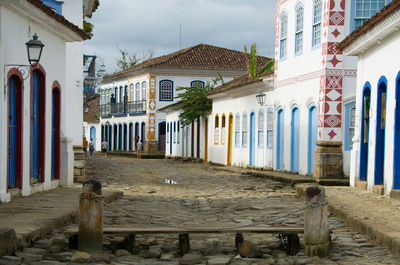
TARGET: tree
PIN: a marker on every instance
(194, 102)
(128, 60)
(252, 62)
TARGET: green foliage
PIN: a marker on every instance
(267, 67)
(194, 102)
(253, 61)
(128, 60)
(88, 28)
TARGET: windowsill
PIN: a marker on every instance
(316, 47)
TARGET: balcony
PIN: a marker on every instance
(128, 107)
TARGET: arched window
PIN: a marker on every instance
(223, 122)
(216, 129)
(350, 114)
(126, 93)
(316, 26)
(283, 36)
(197, 83)
(137, 94)
(244, 129)
(261, 129)
(166, 90)
(299, 29)
(144, 89)
(131, 92)
(270, 127)
(237, 130)
(121, 94)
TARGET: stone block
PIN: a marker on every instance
(8, 241)
(79, 164)
(361, 184)
(151, 147)
(378, 189)
(395, 194)
(328, 160)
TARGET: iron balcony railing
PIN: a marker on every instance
(128, 107)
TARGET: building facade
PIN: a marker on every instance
(321, 81)
(130, 100)
(375, 163)
(38, 114)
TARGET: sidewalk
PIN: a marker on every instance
(373, 215)
(34, 216)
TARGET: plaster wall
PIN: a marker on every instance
(15, 31)
(376, 62)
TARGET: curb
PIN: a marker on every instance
(26, 239)
(382, 238)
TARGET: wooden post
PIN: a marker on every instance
(184, 244)
(316, 227)
(90, 237)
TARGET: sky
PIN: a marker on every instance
(138, 26)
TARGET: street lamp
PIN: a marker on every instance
(108, 123)
(260, 98)
(34, 48)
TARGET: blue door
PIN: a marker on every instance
(143, 129)
(252, 139)
(279, 140)
(56, 134)
(120, 137)
(102, 133)
(93, 135)
(396, 161)
(312, 137)
(380, 133)
(12, 132)
(161, 136)
(170, 138)
(294, 141)
(109, 140)
(364, 133)
(125, 137)
(115, 137)
(131, 137)
(35, 174)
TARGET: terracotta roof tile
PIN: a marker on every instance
(49, 11)
(199, 57)
(239, 82)
(383, 13)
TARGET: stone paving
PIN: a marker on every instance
(205, 196)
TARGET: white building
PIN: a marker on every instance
(375, 163)
(130, 99)
(40, 106)
(314, 95)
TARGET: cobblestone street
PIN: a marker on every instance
(205, 196)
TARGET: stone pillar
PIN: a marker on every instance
(67, 162)
(328, 157)
(90, 238)
(317, 239)
(79, 164)
(151, 145)
(328, 160)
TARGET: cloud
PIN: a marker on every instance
(142, 25)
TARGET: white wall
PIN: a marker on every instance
(380, 60)
(15, 32)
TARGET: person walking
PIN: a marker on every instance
(91, 146)
(139, 149)
(85, 146)
(136, 142)
(104, 148)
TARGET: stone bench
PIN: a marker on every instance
(289, 233)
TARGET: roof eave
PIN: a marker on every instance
(375, 35)
(36, 15)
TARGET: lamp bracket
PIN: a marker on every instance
(22, 68)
